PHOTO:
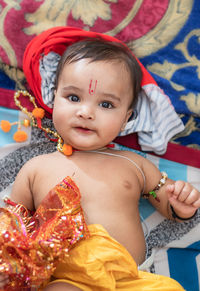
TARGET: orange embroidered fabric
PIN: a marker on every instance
(32, 246)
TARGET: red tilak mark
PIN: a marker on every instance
(92, 91)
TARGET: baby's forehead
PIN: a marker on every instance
(97, 76)
(101, 68)
(116, 64)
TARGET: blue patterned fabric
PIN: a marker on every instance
(185, 271)
(5, 81)
(176, 68)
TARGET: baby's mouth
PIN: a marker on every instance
(83, 129)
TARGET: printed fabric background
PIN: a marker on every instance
(164, 35)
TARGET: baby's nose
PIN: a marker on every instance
(86, 112)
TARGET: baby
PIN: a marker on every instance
(97, 85)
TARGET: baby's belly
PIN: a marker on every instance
(133, 241)
(127, 231)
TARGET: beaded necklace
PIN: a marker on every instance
(35, 120)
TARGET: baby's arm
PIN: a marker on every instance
(178, 199)
(21, 193)
(21, 190)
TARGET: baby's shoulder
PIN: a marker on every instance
(38, 159)
(133, 156)
(39, 162)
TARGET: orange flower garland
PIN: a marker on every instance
(20, 136)
(67, 150)
(35, 120)
(38, 113)
(5, 125)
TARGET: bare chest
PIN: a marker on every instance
(106, 183)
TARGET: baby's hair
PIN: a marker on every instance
(98, 49)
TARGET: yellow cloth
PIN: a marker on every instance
(100, 263)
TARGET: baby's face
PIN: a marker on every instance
(91, 103)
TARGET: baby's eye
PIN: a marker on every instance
(106, 104)
(73, 98)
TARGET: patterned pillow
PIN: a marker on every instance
(134, 22)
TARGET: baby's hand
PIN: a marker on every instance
(184, 198)
(3, 280)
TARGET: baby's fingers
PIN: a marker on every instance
(176, 188)
(170, 188)
(182, 190)
(193, 198)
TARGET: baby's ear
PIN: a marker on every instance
(128, 115)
